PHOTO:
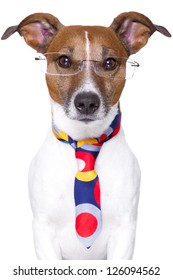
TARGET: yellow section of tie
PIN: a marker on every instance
(86, 176)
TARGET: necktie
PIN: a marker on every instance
(86, 186)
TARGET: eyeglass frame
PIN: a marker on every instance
(81, 63)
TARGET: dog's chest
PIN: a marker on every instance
(53, 173)
(51, 182)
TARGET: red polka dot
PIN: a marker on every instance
(86, 224)
(97, 192)
(103, 137)
(88, 158)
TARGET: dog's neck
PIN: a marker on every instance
(79, 130)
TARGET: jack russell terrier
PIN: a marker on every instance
(84, 182)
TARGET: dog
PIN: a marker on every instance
(85, 75)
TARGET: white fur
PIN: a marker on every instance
(87, 46)
(51, 185)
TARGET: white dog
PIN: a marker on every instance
(86, 73)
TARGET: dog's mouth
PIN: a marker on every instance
(86, 120)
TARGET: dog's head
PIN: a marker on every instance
(86, 65)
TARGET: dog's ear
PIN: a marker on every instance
(134, 30)
(37, 29)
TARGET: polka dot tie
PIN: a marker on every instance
(87, 186)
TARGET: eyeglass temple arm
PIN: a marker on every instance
(40, 58)
(134, 63)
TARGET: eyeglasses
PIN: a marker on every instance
(55, 63)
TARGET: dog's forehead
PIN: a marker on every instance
(77, 37)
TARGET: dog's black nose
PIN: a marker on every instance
(87, 103)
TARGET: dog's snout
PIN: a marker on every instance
(87, 103)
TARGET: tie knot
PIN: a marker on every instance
(87, 142)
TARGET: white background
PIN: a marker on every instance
(147, 107)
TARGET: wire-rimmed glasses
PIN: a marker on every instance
(60, 64)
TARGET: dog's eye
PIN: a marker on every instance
(64, 61)
(110, 64)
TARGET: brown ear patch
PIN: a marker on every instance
(136, 35)
(134, 30)
(38, 35)
(37, 29)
